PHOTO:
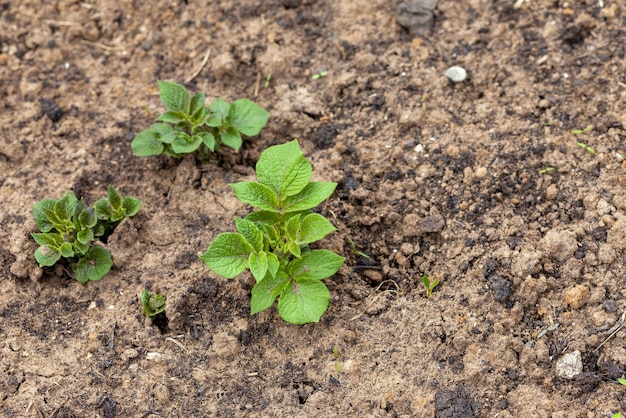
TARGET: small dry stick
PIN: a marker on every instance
(200, 67)
(397, 291)
(178, 343)
(617, 327)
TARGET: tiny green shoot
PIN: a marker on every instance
(622, 381)
(68, 230)
(588, 128)
(546, 170)
(188, 126)
(355, 250)
(430, 286)
(319, 75)
(273, 242)
(586, 147)
(337, 363)
(152, 304)
(268, 78)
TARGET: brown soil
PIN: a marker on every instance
(434, 178)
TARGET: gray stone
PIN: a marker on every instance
(569, 365)
(416, 16)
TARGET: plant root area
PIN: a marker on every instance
(480, 184)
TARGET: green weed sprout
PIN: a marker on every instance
(69, 229)
(273, 242)
(430, 286)
(188, 126)
(152, 304)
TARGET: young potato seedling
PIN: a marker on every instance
(188, 126)
(69, 229)
(153, 305)
(430, 286)
(273, 242)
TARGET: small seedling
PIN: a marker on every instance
(319, 75)
(152, 304)
(546, 170)
(430, 286)
(355, 250)
(273, 242)
(268, 78)
(336, 355)
(68, 230)
(189, 126)
(582, 131)
(622, 381)
(586, 147)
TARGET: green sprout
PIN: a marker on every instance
(152, 305)
(273, 242)
(586, 147)
(588, 128)
(355, 250)
(546, 170)
(69, 229)
(189, 126)
(319, 75)
(268, 78)
(336, 355)
(430, 286)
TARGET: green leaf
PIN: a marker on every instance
(103, 209)
(170, 137)
(318, 264)
(294, 249)
(622, 381)
(46, 256)
(247, 117)
(146, 144)
(292, 226)
(87, 218)
(263, 216)
(174, 96)
(207, 139)
(39, 213)
(131, 206)
(219, 110)
(256, 194)
(231, 138)
(304, 301)
(265, 292)
(196, 105)
(80, 248)
(114, 198)
(311, 196)
(66, 250)
(228, 254)
(152, 304)
(161, 129)
(313, 227)
(62, 210)
(272, 264)
(172, 117)
(251, 233)
(284, 169)
(49, 239)
(184, 144)
(93, 266)
(258, 265)
(85, 236)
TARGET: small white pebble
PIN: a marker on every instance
(111, 307)
(419, 148)
(456, 74)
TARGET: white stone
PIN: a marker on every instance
(569, 365)
(456, 74)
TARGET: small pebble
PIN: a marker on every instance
(456, 74)
(569, 365)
